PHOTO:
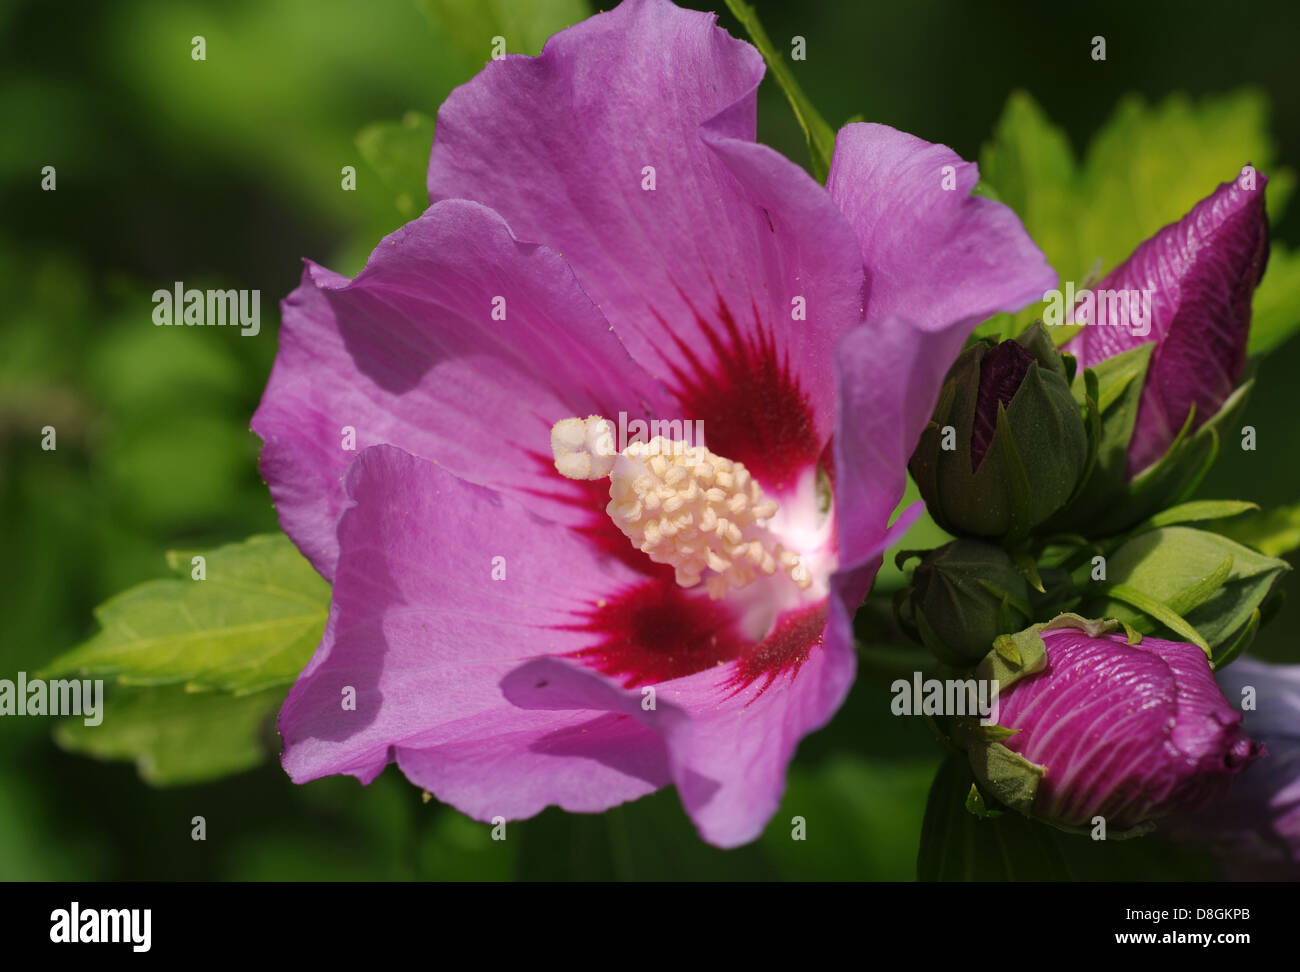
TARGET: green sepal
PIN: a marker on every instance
(992, 734)
(1033, 463)
(1195, 512)
(1029, 569)
(1004, 775)
(1093, 426)
(1160, 613)
(976, 805)
(1115, 386)
(1180, 471)
(1019, 492)
(1023, 653)
(1013, 657)
(1240, 644)
(1005, 646)
(962, 595)
(935, 644)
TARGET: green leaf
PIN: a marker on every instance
(820, 135)
(177, 737)
(1275, 310)
(399, 153)
(1167, 563)
(1241, 643)
(470, 25)
(1151, 163)
(1145, 168)
(1116, 377)
(1031, 168)
(1197, 511)
(1272, 533)
(1118, 385)
(251, 624)
(958, 846)
(1158, 612)
(1004, 774)
(1177, 475)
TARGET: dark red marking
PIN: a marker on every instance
(754, 411)
(657, 631)
(785, 649)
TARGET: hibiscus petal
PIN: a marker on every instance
(888, 377)
(409, 353)
(1130, 732)
(936, 256)
(731, 731)
(423, 634)
(703, 276)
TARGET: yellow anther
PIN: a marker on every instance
(681, 505)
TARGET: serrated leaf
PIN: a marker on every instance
(820, 135)
(1031, 168)
(1149, 164)
(177, 737)
(251, 624)
(1145, 168)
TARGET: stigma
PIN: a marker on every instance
(681, 505)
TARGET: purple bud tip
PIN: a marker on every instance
(1191, 287)
(1126, 732)
(1001, 372)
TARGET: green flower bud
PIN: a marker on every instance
(1006, 446)
(963, 596)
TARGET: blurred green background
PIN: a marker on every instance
(225, 173)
